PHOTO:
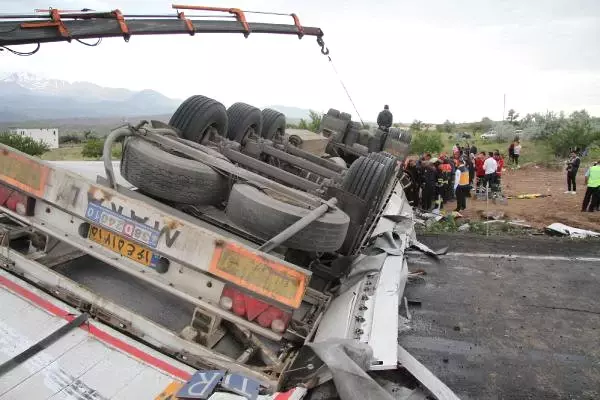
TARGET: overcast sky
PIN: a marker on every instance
(430, 59)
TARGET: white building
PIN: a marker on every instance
(46, 135)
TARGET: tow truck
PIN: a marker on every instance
(220, 257)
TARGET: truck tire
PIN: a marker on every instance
(273, 124)
(265, 217)
(345, 116)
(360, 148)
(355, 125)
(333, 112)
(395, 133)
(365, 178)
(364, 135)
(351, 137)
(169, 177)
(388, 161)
(244, 121)
(196, 115)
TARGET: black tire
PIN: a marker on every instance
(345, 116)
(265, 217)
(376, 141)
(364, 136)
(355, 125)
(333, 112)
(388, 161)
(360, 148)
(352, 137)
(395, 133)
(196, 115)
(365, 178)
(170, 177)
(273, 123)
(244, 120)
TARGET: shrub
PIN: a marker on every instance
(24, 143)
(427, 142)
(577, 131)
(65, 139)
(93, 148)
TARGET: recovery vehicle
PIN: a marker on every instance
(220, 246)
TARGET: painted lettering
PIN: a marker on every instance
(69, 196)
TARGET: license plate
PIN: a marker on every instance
(255, 273)
(122, 246)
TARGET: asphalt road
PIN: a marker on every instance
(494, 327)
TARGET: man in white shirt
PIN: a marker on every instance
(490, 165)
(517, 151)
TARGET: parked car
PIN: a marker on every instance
(489, 135)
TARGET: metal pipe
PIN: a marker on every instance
(313, 158)
(271, 171)
(107, 153)
(224, 165)
(298, 226)
(300, 162)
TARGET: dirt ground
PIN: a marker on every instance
(540, 212)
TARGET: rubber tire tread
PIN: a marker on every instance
(272, 120)
(364, 135)
(387, 160)
(345, 116)
(333, 112)
(351, 137)
(356, 125)
(265, 217)
(241, 116)
(195, 114)
(395, 133)
(170, 177)
(364, 178)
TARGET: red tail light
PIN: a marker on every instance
(246, 306)
(14, 200)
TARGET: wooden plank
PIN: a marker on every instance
(423, 375)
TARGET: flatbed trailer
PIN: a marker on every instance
(256, 303)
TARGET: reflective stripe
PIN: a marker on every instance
(464, 176)
(594, 178)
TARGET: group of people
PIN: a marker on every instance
(591, 199)
(437, 180)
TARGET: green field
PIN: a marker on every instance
(73, 153)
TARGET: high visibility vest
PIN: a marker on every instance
(594, 178)
(464, 176)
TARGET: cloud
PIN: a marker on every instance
(430, 60)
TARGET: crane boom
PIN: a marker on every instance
(61, 26)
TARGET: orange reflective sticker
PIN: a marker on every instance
(23, 173)
(268, 278)
(169, 392)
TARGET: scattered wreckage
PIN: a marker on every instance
(289, 258)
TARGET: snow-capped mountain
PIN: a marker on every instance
(30, 97)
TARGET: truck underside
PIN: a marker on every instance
(225, 243)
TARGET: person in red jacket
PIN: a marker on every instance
(500, 160)
(479, 171)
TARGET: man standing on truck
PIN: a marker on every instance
(385, 118)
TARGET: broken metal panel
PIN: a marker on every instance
(91, 360)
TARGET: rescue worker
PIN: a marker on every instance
(385, 118)
(428, 181)
(446, 170)
(412, 191)
(572, 168)
(500, 161)
(461, 185)
(592, 194)
(479, 171)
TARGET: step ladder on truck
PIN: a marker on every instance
(259, 295)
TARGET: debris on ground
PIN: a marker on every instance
(565, 230)
(493, 214)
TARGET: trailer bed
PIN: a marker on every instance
(92, 361)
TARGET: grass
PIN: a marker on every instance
(73, 153)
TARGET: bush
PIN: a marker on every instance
(427, 142)
(65, 139)
(24, 143)
(577, 131)
(93, 148)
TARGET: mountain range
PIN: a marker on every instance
(30, 99)
(27, 97)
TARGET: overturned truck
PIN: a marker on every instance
(220, 243)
